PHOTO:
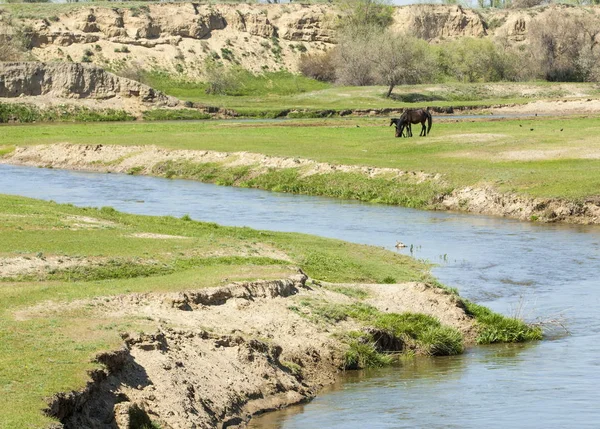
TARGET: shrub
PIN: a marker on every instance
(319, 66)
(219, 79)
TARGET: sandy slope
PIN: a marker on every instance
(220, 355)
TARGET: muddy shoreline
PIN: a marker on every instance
(221, 355)
(146, 160)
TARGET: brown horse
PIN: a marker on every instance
(413, 116)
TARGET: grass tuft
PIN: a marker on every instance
(495, 328)
(363, 354)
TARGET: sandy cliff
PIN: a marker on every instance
(178, 37)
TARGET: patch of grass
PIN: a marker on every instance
(363, 354)
(352, 292)
(249, 85)
(419, 333)
(294, 368)
(26, 113)
(6, 150)
(496, 328)
(174, 115)
(135, 170)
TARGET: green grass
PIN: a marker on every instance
(506, 155)
(43, 355)
(418, 333)
(362, 353)
(276, 94)
(495, 328)
(172, 115)
(349, 291)
(26, 113)
(400, 191)
(249, 86)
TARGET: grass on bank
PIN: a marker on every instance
(50, 352)
(26, 113)
(412, 333)
(46, 345)
(528, 156)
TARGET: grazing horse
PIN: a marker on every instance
(401, 127)
(413, 117)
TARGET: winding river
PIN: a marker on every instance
(538, 271)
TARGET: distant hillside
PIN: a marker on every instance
(177, 37)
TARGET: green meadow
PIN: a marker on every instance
(541, 157)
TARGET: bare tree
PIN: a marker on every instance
(353, 65)
(566, 49)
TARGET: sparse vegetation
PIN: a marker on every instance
(27, 113)
(174, 114)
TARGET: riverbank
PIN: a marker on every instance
(305, 176)
(214, 322)
(219, 356)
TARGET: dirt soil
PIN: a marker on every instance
(220, 355)
(142, 159)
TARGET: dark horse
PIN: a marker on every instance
(413, 116)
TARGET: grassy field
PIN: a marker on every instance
(531, 156)
(273, 92)
(43, 355)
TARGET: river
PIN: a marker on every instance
(537, 270)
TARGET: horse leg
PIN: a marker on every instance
(408, 130)
(423, 130)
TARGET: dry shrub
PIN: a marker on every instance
(566, 49)
(525, 4)
(353, 59)
(132, 71)
(319, 66)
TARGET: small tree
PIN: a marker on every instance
(218, 78)
(566, 50)
(471, 60)
(401, 59)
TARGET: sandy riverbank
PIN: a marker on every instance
(220, 355)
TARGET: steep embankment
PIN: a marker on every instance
(221, 355)
(242, 168)
(48, 85)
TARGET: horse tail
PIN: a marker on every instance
(429, 120)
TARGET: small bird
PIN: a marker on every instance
(521, 125)
(400, 245)
(530, 129)
(561, 129)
